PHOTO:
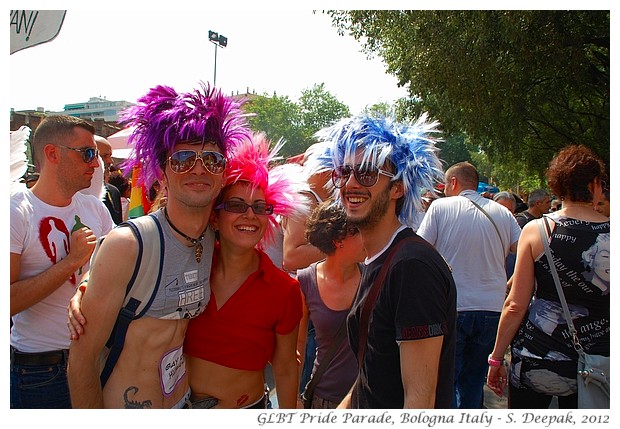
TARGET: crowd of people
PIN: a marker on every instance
(364, 275)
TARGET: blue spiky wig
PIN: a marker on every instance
(162, 118)
(410, 147)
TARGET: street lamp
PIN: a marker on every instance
(217, 40)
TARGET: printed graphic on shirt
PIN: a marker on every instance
(184, 297)
(596, 263)
(424, 331)
(55, 239)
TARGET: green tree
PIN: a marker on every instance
(453, 149)
(319, 108)
(379, 109)
(521, 84)
(278, 117)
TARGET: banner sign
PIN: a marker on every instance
(33, 27)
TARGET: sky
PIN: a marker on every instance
(120, 54)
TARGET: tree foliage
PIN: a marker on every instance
(279, 117)
(319, 108)
(520, 84)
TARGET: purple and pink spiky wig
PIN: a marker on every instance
(162, 118)
(251, 161)
(410, 147)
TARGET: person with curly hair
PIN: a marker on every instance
(328, 288)
(543, 361)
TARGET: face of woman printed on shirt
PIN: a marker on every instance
(596, 260)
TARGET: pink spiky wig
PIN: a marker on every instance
(252, 160)
(162, 118)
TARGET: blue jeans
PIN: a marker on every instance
(39, 386)
(476, 331)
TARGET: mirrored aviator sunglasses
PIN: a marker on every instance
(183, 161)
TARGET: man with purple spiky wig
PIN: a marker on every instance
(180, 140)
(404, 339)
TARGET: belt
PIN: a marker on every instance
(54, 357)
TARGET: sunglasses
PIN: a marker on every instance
(234, 206)
(88, 153)
(183, 161)
(366, 176)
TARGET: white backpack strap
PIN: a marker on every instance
(144, 282)
(141, 289)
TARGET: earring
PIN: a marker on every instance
(341, 246)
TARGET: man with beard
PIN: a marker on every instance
(404, 339)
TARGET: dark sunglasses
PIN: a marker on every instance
(88, 153)
(183, 161)
(234, 206)
(365, 175)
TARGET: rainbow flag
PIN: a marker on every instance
(139, 204)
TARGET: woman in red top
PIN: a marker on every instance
(254, 311)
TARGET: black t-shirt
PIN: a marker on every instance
(543, 356)
(523, 218)
(417, 301)
(112, 200)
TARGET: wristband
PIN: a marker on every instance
(495, 362)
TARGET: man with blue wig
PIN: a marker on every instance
(401, 325)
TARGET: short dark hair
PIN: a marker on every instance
(466, 173)
(326, 225)
(56, 129)
(572, 169)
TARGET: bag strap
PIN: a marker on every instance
(373, 293)
(558, 286)
(492, 221)
(324, 364)
(146, 278)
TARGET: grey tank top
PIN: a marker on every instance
(183, 291)
(341, 373)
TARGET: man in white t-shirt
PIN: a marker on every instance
(54, 229)
(475, 247)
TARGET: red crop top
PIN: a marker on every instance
(242, 333)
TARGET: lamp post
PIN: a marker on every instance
(217, 40)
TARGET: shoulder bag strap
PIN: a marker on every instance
(371, 298)
(492, 221)
(146, 277)
(558, 286)
(324, 364)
